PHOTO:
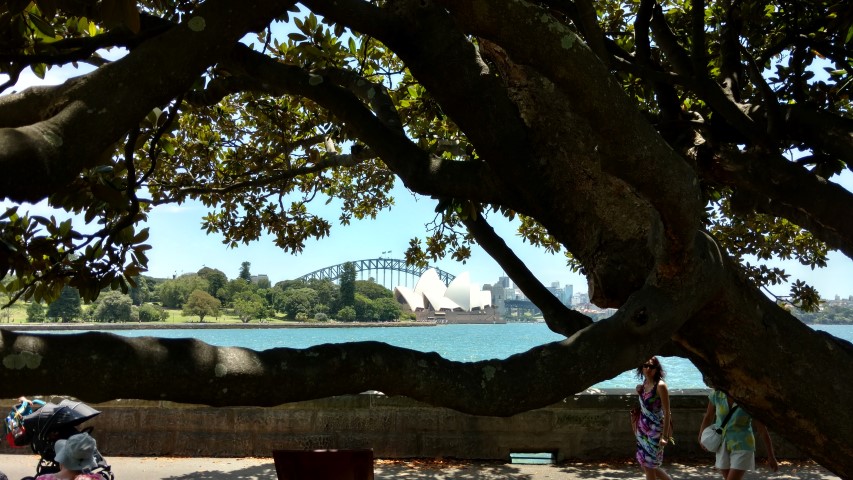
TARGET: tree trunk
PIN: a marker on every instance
(557, 139)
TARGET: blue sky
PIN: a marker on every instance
(364, 239)
(181, 246)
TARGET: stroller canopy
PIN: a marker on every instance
(65, 414)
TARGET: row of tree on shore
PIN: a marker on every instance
(210, 293)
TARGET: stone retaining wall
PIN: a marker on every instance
(590, 426)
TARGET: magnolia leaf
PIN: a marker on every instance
(42, 25)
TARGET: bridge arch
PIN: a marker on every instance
(386, 267)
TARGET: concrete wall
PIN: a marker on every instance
(582, 427)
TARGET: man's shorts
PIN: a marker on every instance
(735, 460)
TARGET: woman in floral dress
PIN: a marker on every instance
(653, 427)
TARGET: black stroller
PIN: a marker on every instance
(42, 427)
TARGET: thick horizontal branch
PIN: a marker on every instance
(788, 190)
(82, 48)
(38, 158)
(831, 133)
(188, 370)
(435, 50)
(421, 172)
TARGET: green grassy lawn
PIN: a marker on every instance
(177, 316)
(17, 313)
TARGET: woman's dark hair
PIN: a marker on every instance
(660, 374)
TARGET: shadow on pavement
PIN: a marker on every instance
(259, 472)
(692, 471)
(476, 471)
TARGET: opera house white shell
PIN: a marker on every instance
(430, 293)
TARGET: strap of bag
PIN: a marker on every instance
(726, 420)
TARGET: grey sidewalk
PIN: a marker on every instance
(168, 468)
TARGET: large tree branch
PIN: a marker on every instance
(831, 133)
(435, 51)
(78, 133)
(83, 49)
(559, 318)
(706, 88)
(583, 14)
(731, 70)
(788, 190)
(379, 129)
(559, 54)
(732, 342)
(188, 370)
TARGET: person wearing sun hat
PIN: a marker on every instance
(76, 457)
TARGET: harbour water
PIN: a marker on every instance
(464, 343)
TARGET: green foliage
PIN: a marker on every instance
(175, 293)
(152, 313)
(113, 307)
(372, 290)
(216, 282)
(46, 254)
(833, 314)
(755, 237)
(36, 312)
(67, 307)
(387, 309)
(298, 300)
(201, 304)
(382, 309)
(347, 284)
(328, 294)
(141, 293)
(235, 287)
(245, 274)
(346, 314)
(364, 309)
(249, 306)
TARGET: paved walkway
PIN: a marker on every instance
(166, 468)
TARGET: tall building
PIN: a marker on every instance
(511, 301)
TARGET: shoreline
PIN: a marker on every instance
(204, 326)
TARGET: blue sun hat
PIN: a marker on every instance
(77, 453)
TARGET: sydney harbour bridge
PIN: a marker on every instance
(382, 270)
(390, 272)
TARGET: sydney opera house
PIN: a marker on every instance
(459, 302)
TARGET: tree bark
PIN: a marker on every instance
(557, 139)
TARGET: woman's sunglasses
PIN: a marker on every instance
(648, 365)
